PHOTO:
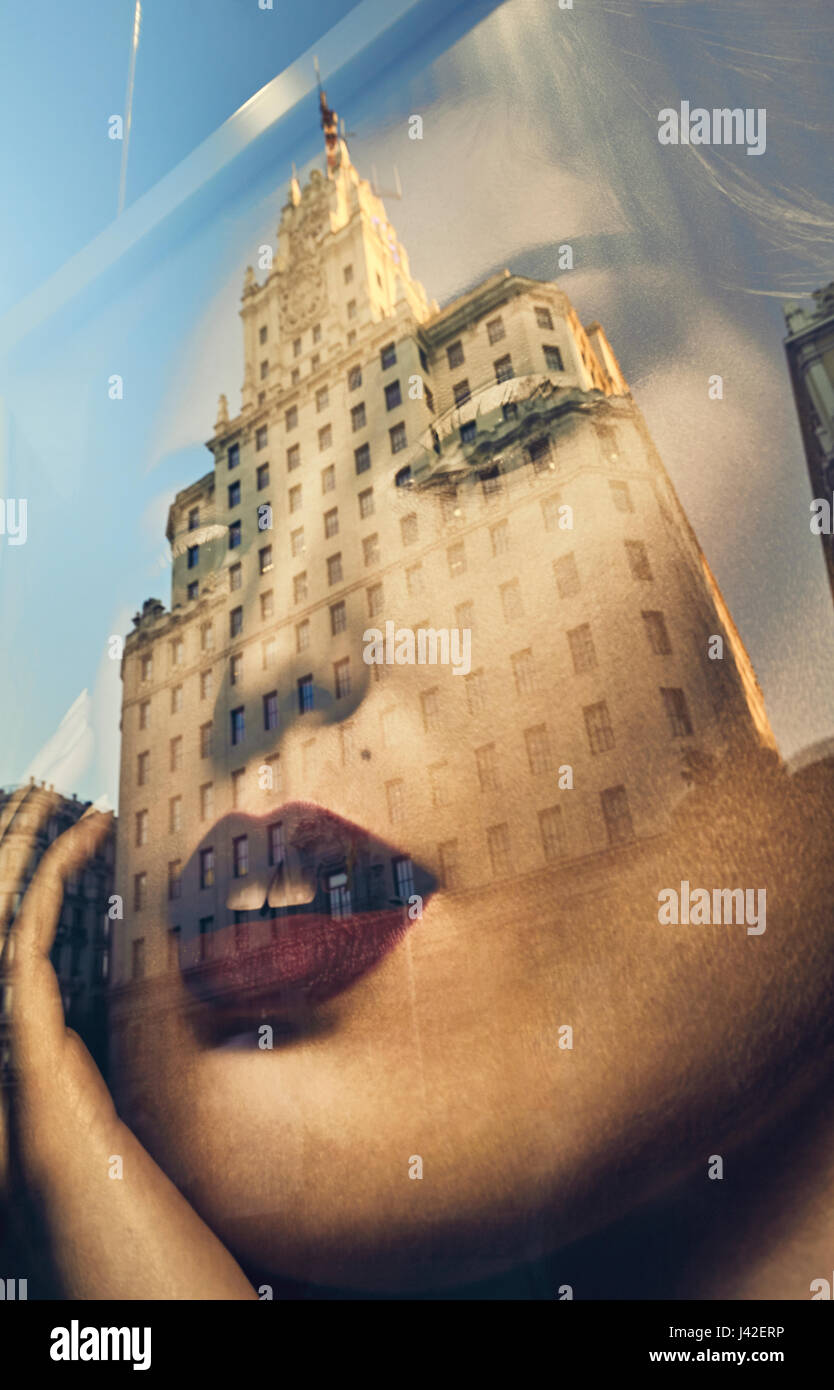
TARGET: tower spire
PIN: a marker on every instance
(334, 145)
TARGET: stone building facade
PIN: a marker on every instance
(480, 467)
(809, 346)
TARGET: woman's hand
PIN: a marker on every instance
(114, 1229)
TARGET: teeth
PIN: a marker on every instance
(247, 894)
(293, 884)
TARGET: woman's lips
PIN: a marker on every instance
(324, 915)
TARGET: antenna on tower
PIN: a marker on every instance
(131, 75)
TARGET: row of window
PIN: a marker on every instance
(616, 815)
(495, 332)
(565, 570)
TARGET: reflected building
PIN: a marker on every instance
(480, 467)
(32, 815)
(809, 346)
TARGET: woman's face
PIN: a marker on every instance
(453, 1092)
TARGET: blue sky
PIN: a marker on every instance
(540, 127)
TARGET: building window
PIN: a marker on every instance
(261, 437)
(291, 418)
(347, 274)
(537, 741)
(334, 568)
(674, 702)
(454, 353)
(206, 684)
(376, 600)
(194, 518)
(316, 332)
(236, 669)
(295, 499)
(141, 828)
(366, 503)
(351, 337)
(236, 622)
(398, 437)
(341, 677)
(503, 368)
(174, 879)
(439, 783)
(498, 843)
(354, 379)
(447, 855)
(302, 635)
(524, 671)
(393, 395)
(234, 535)
(487, 765)
(638, 560)
(275, 843)
(206, 928)
(395, 796)
(617, 815)
(388, 356)
(553, 359)
(468, 431)
(475, 691)
(456, 558)
(176, 699)
(237, 786)
(325, 438)
(655, 625)
(264, 370)
(139, 956)
(299, 587)
(331, 523)
(491, 481)
(511, 600)
(465, 616)
(265, 559)
(370, 549)
(357, 416)
(362, 458)
(500, 538)
(414, 580)
(582, 649)
(305, 694)
(193, 554)
(461, 392)
(509, 410)
(543, 317)
(271, 710)
(175, 814)
(237, 725)
(262, 476)
(567, 575)
(539, 454)
(146, 668)
(297, 541)
(144, 714)
(267, 605)
(495, 330)
(338, 617)
(328, 478)
(233, 455)
(140, 891)
(193, 590)
(408, 528)
(262, 334)
(621, 496)
(206, 740)
(175, 749)
(206, 801)
(234, 493)
(598, 726)
(240, 856)
(293, 457)
(550, 512)
(207, 868)
(552, 832)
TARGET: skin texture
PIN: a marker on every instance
(688, 1042)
